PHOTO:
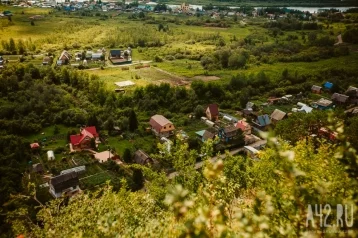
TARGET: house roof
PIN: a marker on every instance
(208, 135)
(158, 121)
(78, 169)
(200, 133)
(64, 181)
(278, 115)
(339, 97)
(242, 125)
(103, 156)
(213, 109)
(352, 89)
(353, 110)
(115, 52)
(316, 88)
(264, 120)
(140, 157)
(230, 129)
(37, 168)
(328, 85)
(65, 54)
(324, 102)
(91, 132)
(34, 145)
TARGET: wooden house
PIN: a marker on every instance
(228, 133)
(316, 89)
(339, 98)
(212, 112)
(64, 184)
(83, 140)
(161, 126)
(278, 115)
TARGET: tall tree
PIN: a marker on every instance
(127, 156)
(133, 122)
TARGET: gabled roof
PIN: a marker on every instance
(213, 109)
(278, 115)
(140, 157)
(316, 88)
(242, 125)
(230, 129)
(339, 97)
(34, 145)
(306, 109)
(65, 54)
(352, 90)
(208, 135)
(158, 121)
(264, 120)
(64, 181)
(90, 132)
(353, 110)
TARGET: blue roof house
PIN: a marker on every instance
(328, 85)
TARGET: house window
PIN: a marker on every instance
(165, 128)
(170, 126)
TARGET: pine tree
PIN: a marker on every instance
(133, 122)
(127, 157)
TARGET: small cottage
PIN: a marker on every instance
(323, 104)
(212, 112)
(339, 98)
(140, 157)
(227, 133)
(278, 115)
(244, 126)
(316, 89)
(83, 140)
(67, 184)
(161, 126)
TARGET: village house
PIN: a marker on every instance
(228, 133)
(352, 92)
(205, 135)
(64, 58)
(161, 126)
(34, 146)
(339, 98)
(278, 115)
(323, 104)
(83, 140)
(328, 85)
(262, 121)
(244, 126)
(185, 7)
(212, 112)
(316, 89)
(50, 155)
(67, 184)
(140, 157)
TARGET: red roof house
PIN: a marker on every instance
(34, 146)
(212, 112)
(244, 126)
(83, 140)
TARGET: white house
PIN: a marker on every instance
(50, 155)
